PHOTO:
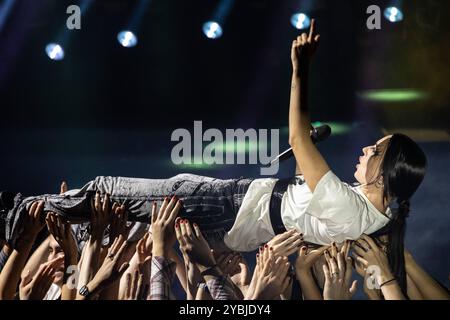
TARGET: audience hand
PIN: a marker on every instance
(111, 269)
(135, 286)
(272, 279)
(100, 216)
(285, 244)
(370, 255)
(194, 245)
(118, 224)
(338, 275)
(35, 288)
(33, 223)
(162, 227)
(62, 232)
(306, 260)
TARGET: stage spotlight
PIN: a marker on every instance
(127, 39)
(393, 14)
(54, 51)
(212, 30)
(300, 21)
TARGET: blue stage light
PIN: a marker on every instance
(393, 14)
(212, 30)
(127, 39)
(54, 51)
(300, 21)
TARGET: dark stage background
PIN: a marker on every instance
(109, 110)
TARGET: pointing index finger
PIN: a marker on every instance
(311, 30)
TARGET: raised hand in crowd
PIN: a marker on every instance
(100, 218)
(338, 275)
(234, 265)
(194, 281)
(48, 250)
(61, 232)
(32, 224)
(285, 244)
(109, 272)
(271, 278)
(163, 235)
(118, 222)
(304, 271)
(143, 271)
(36, 287)
(375, 259)
(162, 227)
(63, 188)
(135, 286)
(370, 284)
(197, 248)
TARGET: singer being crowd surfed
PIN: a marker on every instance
(314, 208)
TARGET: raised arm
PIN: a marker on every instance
(62, 232)
(100, 216)
(10, 275)
(199, 252)
(428, 287)
(368, 253)
(304, 273)
(309, 161)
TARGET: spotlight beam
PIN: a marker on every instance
(5, 10)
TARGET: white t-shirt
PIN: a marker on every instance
(53, 293)
(335, 211)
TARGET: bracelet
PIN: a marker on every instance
(386, 282)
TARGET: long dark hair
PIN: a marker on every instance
(403, 169)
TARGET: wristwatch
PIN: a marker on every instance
(84, 291)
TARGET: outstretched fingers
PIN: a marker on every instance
(198, 232)
(175, 210)
(178, 233)
(154, 212)
(167, 211)
(121, 250)
(326, 272)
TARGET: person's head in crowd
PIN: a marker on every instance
(55, 251)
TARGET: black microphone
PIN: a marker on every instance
(318, 134)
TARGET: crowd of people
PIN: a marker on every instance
(48, 262)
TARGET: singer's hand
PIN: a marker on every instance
(303, 49)
(318, 134)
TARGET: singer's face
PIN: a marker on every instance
(368, 168)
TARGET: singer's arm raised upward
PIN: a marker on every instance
(311, 163)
